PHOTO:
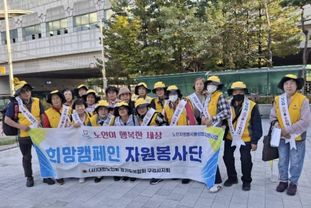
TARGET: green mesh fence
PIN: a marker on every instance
(259, 81)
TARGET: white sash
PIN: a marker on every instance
(64, 117)
(76, 118)
(241, 123)
(286, 119)
(27, 114)
(205, 107)
(148, 117)
(108, 121)
(196, 102)
(119, 122)
(179, 109)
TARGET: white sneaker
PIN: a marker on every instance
(215, 188)
(81, 180)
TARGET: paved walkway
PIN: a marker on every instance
(169, 193)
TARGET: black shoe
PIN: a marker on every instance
(185, 181)
(282, 187)
(230, 182)
(246, 186)
(132, 179)
(125, 178)
(155, 181)
(292, 189)
(30, 182)
(116, 178)
(98, 179)
(48, 181)
(60, 181)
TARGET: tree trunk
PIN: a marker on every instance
(260, 38)
(270, 63)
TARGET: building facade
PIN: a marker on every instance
(55, 46)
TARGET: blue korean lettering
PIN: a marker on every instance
(54, 154)
(113, 153)
(181, 156)
(133, 157)
(195, 153)
(164, 153)
(99, 153)
(147, 154)
(69, 154)
(84, 154)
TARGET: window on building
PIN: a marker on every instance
(57, 27)
(32, 32)
(13, 36)
(85, 22)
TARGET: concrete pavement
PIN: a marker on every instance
(139, 194)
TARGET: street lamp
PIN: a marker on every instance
(101, 28)
(4, 15)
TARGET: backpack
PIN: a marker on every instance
(9, 130)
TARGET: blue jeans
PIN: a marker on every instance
(291, 160)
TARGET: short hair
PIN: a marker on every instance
(79, 101)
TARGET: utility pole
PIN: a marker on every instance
(101, 27)
(9, 49)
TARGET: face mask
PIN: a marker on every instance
(238, 97)
(173, 98)
(211, 88)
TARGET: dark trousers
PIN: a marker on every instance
(246, 161)
(25, 145)
(218, 176)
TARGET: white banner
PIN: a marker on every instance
(141, 152)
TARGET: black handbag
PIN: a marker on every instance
(268, 152)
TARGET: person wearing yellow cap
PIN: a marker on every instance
(29, 112)
(124, 117)
(158, 103)
(91, 98)
(214, 112)
(178, 111)
(81, 90)
(57, 116)
(141, 90)
(101, 117)
(291, 112)
(148, 116)
(245, 129)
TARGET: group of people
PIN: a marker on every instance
(207, 105)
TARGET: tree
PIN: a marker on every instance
(158, 36)
(122, 47)
(282, 34)
(301, 4)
